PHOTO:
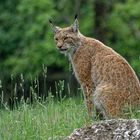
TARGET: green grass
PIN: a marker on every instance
(53, 120)
(43, 121)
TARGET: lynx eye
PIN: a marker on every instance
(65, 38)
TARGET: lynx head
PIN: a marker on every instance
(67, 39)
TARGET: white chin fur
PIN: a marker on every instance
(69, 51)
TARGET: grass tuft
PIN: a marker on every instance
(43, 121)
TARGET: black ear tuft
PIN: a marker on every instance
(50, 21)
(76, 16)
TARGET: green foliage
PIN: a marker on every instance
(27, 43)
(26, 40)
(124, 35)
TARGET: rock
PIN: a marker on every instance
(120, 129)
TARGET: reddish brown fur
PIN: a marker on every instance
(108, 81)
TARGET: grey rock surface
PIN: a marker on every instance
(120, 129)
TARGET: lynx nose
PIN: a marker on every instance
(59, 46)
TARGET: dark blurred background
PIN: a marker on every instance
(30, 63)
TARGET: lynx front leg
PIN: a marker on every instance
(88, 95)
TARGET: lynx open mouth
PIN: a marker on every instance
(62, 50)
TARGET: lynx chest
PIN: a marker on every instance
(81, 63)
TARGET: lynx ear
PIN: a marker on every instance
(54, 28)
(76, 25)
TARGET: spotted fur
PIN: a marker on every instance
(108, 81)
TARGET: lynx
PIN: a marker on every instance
(109, 83)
